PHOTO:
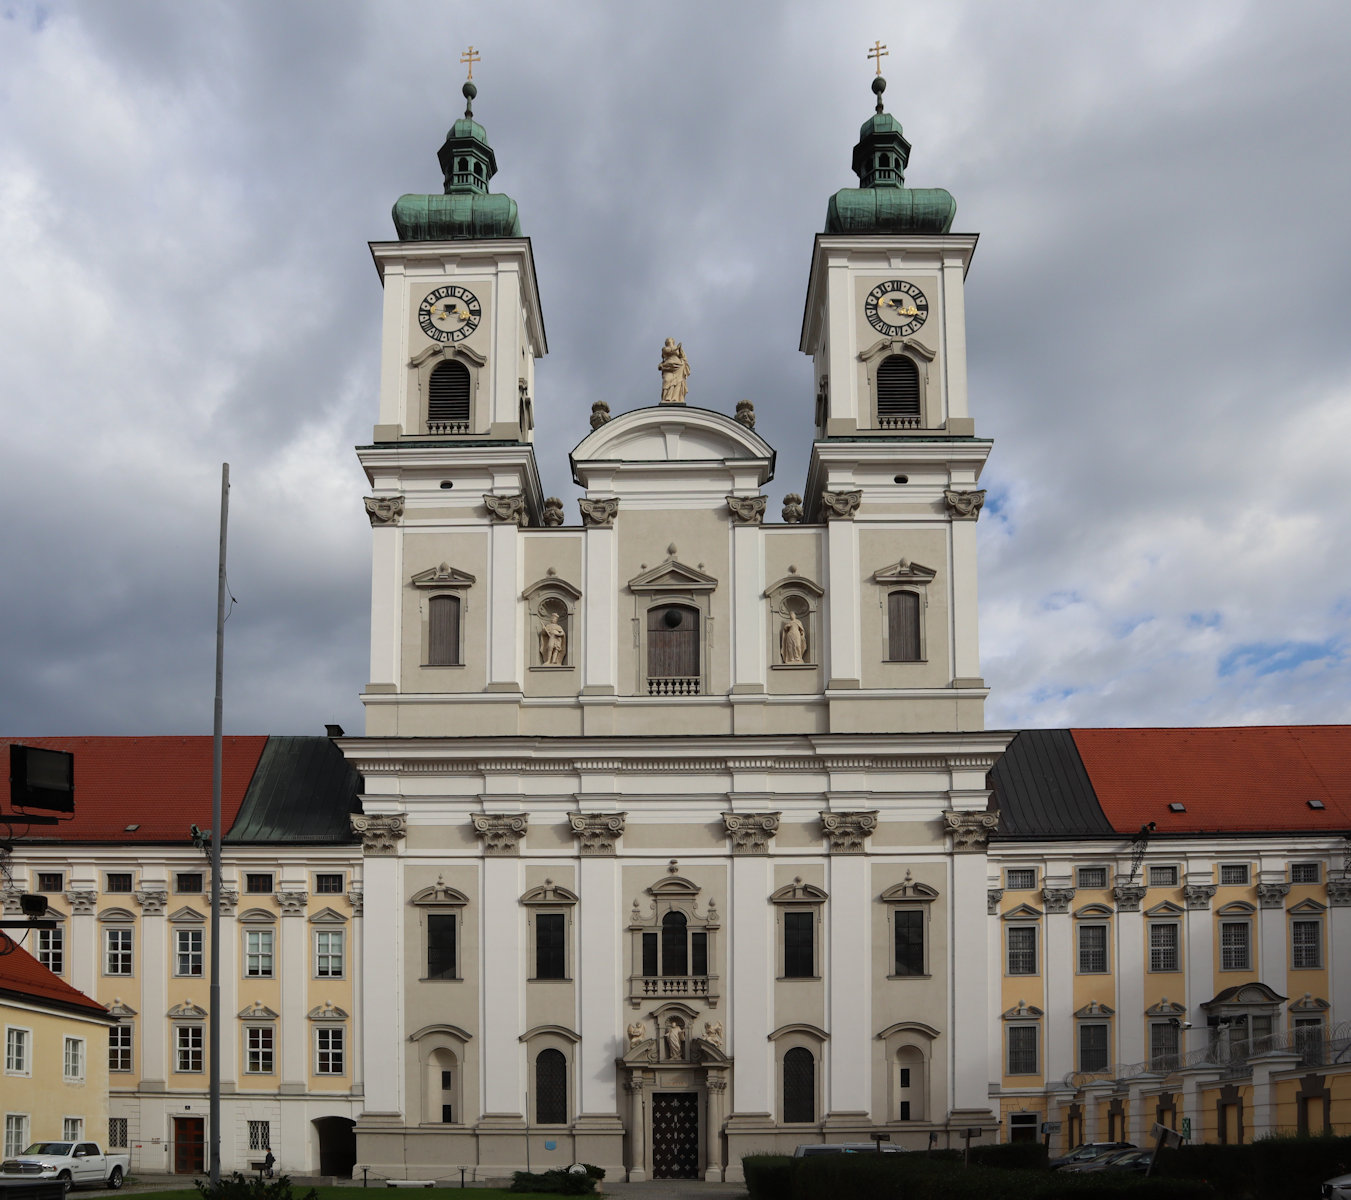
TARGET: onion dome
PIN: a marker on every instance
(466, 209)
(882, 203)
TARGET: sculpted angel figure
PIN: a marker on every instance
(675, 370)
(553, 640)
(792, 638)
(713, 1033)
(637, 1032)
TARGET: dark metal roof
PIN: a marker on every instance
(1043, 790)
(303, 790)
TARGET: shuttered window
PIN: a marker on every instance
(799, 1085)
(673, 650)
(550, 947)
(897, 389)
(443, 631)
(551, 1088)
(903, 627)
(448, 397)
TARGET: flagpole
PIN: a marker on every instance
(216, 746)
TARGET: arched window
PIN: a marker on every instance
(897, 390)
(674, 957)
(903, 627)
(551, 1088)
(673, 667)
(799, 1085)
(463, 165)
(443, 631)
(448, 397)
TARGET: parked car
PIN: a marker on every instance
(846, 1148)
(75, 1164)
(1136, 1161)
(1087, 1152)
(1337, 1188)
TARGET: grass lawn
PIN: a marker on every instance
(371, 1193)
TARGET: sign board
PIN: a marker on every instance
(1050, 1126)
(880, 1137)
(1165, 1136)
(41, 778)
(1187, 1128)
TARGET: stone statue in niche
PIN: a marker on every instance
(637, 1032)
(792, 639)
(675, 1038)
(553, 639)
(675, 370)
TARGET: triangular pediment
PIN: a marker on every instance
(1166, 1008)
(672, 576)
(187, 1011)
(1166, 909)
(443, 576)
(1094, 1009)
(327, 1011)
(905, 571)
(1309, 1003)
(328, 916)
(257, 1011)
(1022, 1011)
(187, 916)
(1023, 912)
(1307, 908)
(119, 1009)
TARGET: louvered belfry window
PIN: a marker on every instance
(551, 1088)
(903, 627)
(897, 391)
(443, 631)
(799, 1085)
(673, 650)
(448, 398)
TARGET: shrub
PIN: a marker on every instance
(560, 1181)
(236, 1186)
(768, 1176)
(1269, 1169)
(1028, 1155)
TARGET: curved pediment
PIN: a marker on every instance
(668, 434)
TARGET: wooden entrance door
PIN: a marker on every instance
(189, 1145)
(675, 1135)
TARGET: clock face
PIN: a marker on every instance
(896, 308)
(449, 314)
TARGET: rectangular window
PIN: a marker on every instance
(72, 1060)
(119, 1048)
(51, 950)
(1092, 949)
(1235, 952)
(550, 947)
(187, 1048)
(1309, 1040)
(1163, 947)
(328, 884)
(1022, 949)
(16, 1134)
(441, 946)
(1163, 1045)
(443, 631)
(905, 1110)
(328, 954)
(117, 1133)
(117, 881)
(257, 882)
(72, 1129)
(16, 1051)
(259, 1044)
(1092, 877)
(1306, 939)
(909, 941)
(117, 951)
(51, 881)
(903, 631)
(1163, 877)
(649, 954)
(698, 952)
(1020, 879)
(187, 952)
(1022, 1050)
(328, 1050)
(1306, 873)
(188, 882)
(260, 1135)
(1234, 874)
(798, 950)
(1092, 1047)
(258, 952)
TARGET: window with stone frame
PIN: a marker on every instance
(443, 604)
(671, 610)
(446, 384)
(440, 916)
(1023, 1043)
(1020, 879)
(898, 377)
(551, 1087)
(117, 1133)
(1234, 874)
(51, 949)
(1022, 949)
(1164, 946)
(549, 911)
(1306, 943)
(799, 910)
(188, 1048)
(1093, 949)
(118, 881)
(117, 951)
(119, 1048)
(908, 906)
(330, 956)
(799, 1086)
(1306, 872)
(1164, 1043)
(1163, 876)
(1235, 945)
(330, 1042)
(259, 1049)
(443, 631)
(1094, 1052)
(260, 1135)
(259, 951)
(53, 882)
(188, 952)
(674, 943)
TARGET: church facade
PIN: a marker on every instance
(674, 813)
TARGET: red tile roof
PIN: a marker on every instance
(160, 784)
(22, 975)
(1243, 779)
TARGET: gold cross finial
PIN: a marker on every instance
(879, 52)
(470, 56)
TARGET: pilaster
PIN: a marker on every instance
(600, 616)
(1058, 972)
(294, 960)
(974, 1059)
(849, 988)
(151, 966)
(506, 647)
(844, 662)
(502, 1004)
(750, 959)
(599, 967)
(386, 604)
(1130, 964)
(382, 970)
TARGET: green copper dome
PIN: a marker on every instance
(466, 209)
(882, 203)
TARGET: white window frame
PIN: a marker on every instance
(1106, 1027)
(129, 876)
(121, 1050)
(1012, 885)
(336, 1037)
(20, 1064)
(249, 876)
(260, 1135)
(1164, 1058)
(51, 949)
(16, 1134)
(1242, 869)
(1080, 950)
(1020, 1026)
(72, 1129)
(1175, 949)
(1084, 882)
(338, 875)
(187, 1046)
(72, 1059)
(111, 965)
(266, 935)
(39, 877)
(1027, 926)
(179, 876)
(1227, 962)
(194, 954)
(119, 1135)
(260, 1049)
(1316, 924)
(1314, 868)
(1159, 868)
(324, 955)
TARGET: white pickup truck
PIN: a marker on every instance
(75, 1164)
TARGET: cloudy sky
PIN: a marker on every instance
(1158, 316)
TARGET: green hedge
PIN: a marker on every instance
(1026, 1155)
(768, 1176)
(560, 1182)
(1270, 1169)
